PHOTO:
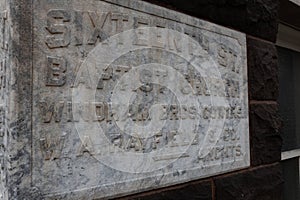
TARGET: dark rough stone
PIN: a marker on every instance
(262, 18)
(262, 70)
(255, 17)
(259, 184)
(264, 133)
(196, 190)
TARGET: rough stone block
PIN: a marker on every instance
(264, 183)
(191, 191)
(262, 70)
(265, 138)
(258, 17)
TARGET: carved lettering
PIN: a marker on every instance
(101, 111)
(120, 20)
(221, 112)
(199, 86)
(86, 146)
(52, 148)
(175, 43)
(198, 37)
(104, 24)
(3, 39)
(142, 87)
(107, 74)
(222, 56)
(157, 140)
(228, 58)
(56, 68)
(223, 152)
(121, 70)
(98, 22)
(83, 78)
(134, 143)
(62, 111)
(49, 110)
(58, 28)
(158, 39)
(230, 134)
(111, 71)
(172, 138)
(78, 32)
(232, 88)
(142, 35)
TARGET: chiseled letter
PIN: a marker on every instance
(56, 71)
(59, 30)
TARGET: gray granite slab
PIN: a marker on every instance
(128, 96)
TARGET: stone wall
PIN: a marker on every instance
(263, 180)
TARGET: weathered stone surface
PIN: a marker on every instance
(109, 98)
(192, 191)
(16, 67)
(264, 183)
(262, 19)
(265, 139)
(262, 70)
(139, 137)
(258, 18)
(3, 94)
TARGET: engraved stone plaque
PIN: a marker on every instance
(128, 97)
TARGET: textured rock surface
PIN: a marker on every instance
(192, 191)
(265, 139)
(263, 183)
(262, 70)
(257, 17)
